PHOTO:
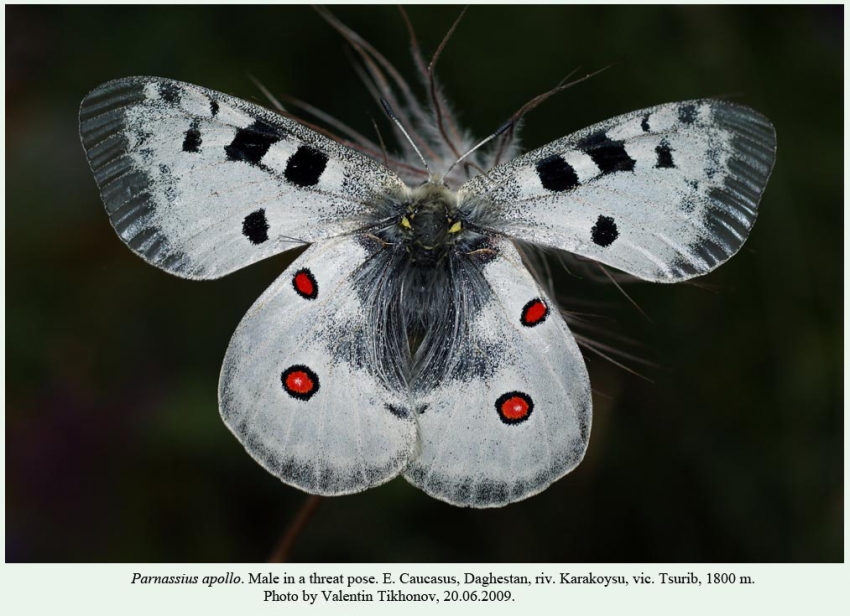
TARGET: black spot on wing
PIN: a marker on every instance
(192, 139)
(398, 411)
(251, 144)
(604, 232)
(687, 114)
(556, 174)
(169, 92)
(664, 155)
(255, 227)
(644, 123)
(609, 155)
(306, 166)
(214, 108)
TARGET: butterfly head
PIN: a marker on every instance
(430, 223)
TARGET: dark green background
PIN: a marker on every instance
(114, 447)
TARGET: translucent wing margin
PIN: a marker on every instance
(665, 193)
(200, 183)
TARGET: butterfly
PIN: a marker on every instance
(409, 338)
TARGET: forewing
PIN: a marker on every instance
(665, 194)
(200, 183)
(297, 388)
(513, 413)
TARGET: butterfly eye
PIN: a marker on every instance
(405, 222)
(456, 228)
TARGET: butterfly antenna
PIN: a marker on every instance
(498, 132)
(393, 117)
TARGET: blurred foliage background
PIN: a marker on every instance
(734, 452)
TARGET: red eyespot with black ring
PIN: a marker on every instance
(305, 284)
(300, 382)
(514, 407)
(534, 312)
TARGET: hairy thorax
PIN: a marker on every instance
(423, 282)
(428, 224)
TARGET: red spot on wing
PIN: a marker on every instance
(305, 284)
(514, 407)
(534, 313)
(300, 382)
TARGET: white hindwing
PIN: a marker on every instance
(296, 389)
(665, 194)
(513, 415)
(200, 183)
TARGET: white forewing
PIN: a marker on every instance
(200, 183)
(297, 390)
(514, 414)
(665, 194)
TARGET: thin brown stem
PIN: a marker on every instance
(386, 92)
(594, 348)
(329, 119)
(363, 45)
(432, 82)
(266, 93)
(508, 135)
(292, 532)
(416, 50)
(626, 295)
(383, 145)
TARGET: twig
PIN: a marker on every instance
(287, 540)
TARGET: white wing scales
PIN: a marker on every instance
(200, 183)
(665, 194)
(521, 422)
(295, 388)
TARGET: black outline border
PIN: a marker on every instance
(507, 396)
(309, 274)
(529, 305)
(300, 368)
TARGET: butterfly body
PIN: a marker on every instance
(427, 263)
(427, 223)
(410, 338)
